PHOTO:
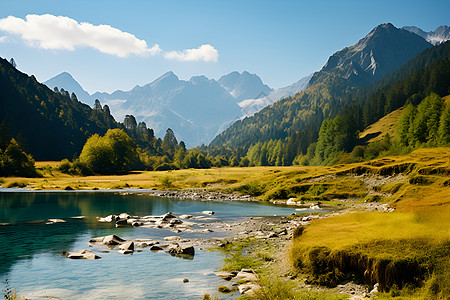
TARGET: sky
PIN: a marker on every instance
(108, 45)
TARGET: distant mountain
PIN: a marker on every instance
(244, 86)
(68, 83)
(52, 125)
(252, 106)
(440, 35)
(196, 110)
(379, 53)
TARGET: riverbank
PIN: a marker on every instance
(391, 228)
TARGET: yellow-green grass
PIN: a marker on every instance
(386, 124)
(406, 249)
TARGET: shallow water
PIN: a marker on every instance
(30, 257)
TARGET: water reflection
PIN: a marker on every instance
(31, 251)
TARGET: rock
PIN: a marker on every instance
(168, 216)
(185, 280)
(207, 212)
(83, 254)
(143, 244)
(248, 289)
(375, 289)
(246, 274)
(77, 217)
(172, 238)
(272, 235)
(176, 221)
(226, 275)
(176, 249)
(126, 251)
(124, 216)
(97, 239)
(137, 224)
(186, 217)
(52, 221)
(155, 248)
(112, 240)
(127, 246)
(306, 219)
(207, 230)
(121, 223)
(109, 218)
(291, 201)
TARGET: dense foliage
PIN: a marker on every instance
(15, 162)
(54, 125)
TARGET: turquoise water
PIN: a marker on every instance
(31, 260)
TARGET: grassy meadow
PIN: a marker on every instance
(406, 251)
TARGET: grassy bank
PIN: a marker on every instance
(407, 251)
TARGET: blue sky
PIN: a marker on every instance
(281, 41)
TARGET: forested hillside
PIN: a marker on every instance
(50, 125)
(289, 129)
(329, 90)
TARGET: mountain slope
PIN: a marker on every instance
(195, 110)
(52, 125)
(379, 53)
(244, 86)
(436, 37)
(383, 50)
(252, 106)
(68, 83)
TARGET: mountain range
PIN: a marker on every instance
(199, 109)
(382, 51)
(196, 110)
(440, 35)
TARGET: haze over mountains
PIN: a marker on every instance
(196, 110)
(200, 108)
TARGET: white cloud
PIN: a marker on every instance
(58, 32)
(205, 52)
(63, 33)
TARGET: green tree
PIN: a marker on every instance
(444, 126)
(15, 162)
(170, 142)
(114, 153)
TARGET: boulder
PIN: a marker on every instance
(121, 223)
(176, 221)
(97, 240)
(83, 254)
(248, 289)
(109, 218)
(112, 240)
(129, 246)
(155, 248)
(291, 201)
(168, 216)
(207, 212)
(124, 216)
(176, 249)
(126, 251)
(226, 275)
(247, 275)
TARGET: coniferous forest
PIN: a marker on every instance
(319, 126)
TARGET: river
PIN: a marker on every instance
(31, 260)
